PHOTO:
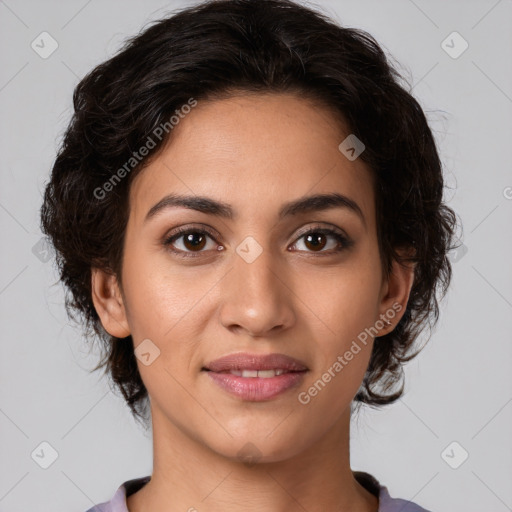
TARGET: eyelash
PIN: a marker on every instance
(345, 242)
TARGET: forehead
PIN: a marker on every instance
(254, 152)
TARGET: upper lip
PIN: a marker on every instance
(244, 361)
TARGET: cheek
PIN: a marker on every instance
(343, 301)
(342, 347)
(168, 305)
(159, 295)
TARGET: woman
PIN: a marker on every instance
(247, 210)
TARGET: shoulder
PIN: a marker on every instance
(118, 501)
(386, 502)
(389, 504)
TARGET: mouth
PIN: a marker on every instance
(243, 362)
(262, 374)
(254, 377)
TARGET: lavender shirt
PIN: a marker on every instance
(369, 482)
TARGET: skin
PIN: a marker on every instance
(254, 152)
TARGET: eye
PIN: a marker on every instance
(317, 239)
(190, 241)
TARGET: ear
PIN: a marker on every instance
(108, 302)
(395, 292)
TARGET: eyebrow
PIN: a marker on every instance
(209, 206)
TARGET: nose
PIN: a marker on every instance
(257, 299)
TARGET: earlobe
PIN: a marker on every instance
(108, 303)
(396, 291)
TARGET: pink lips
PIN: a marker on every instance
(243, 361)
(256, 388)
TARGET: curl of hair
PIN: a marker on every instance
(213, 50)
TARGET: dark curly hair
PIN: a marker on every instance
(213, 50)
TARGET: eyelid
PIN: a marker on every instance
(320, 225)
(214, 233)
(180, 230)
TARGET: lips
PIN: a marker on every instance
(251, 363)
(254, 377)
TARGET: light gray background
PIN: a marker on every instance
(458, 389)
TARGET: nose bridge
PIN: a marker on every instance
(256, 298)
(255, 269)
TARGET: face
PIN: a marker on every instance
(304, 282)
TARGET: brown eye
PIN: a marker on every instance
(190, 242)
(194, 241)
(317, 239)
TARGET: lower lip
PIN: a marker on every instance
(255, 389)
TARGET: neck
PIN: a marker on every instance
(189, 476)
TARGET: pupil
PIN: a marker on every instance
(189, 239)
(311, 237)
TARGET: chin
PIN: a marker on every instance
(257, 449)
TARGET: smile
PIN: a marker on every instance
(263, 374)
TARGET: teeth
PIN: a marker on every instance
(263, 374)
